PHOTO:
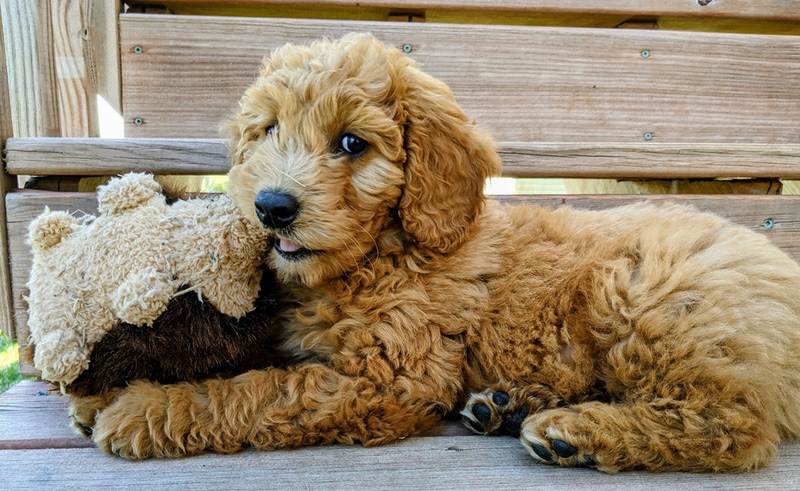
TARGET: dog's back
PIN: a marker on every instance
(687, 325)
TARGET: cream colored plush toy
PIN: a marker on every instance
(90, 274)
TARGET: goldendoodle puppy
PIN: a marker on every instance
(641, 337)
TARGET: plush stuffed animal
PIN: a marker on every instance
(146, 289)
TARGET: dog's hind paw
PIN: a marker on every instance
(500, 410)
(493, 413)
(551, 446)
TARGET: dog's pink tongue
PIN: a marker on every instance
(287, 245)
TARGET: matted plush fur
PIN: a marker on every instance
(640, 337)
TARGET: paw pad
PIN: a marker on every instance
(501, 399)
(554, 450)
(482, 413)
(494, 413)
(542, 452)
(564, 449)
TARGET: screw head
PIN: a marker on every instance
(138, 121)
(138, 49)
(646, 54)
(768, 223)
(407, 48)
(648, 136)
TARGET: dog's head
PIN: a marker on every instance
(339, 143)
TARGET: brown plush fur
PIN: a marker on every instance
(641, 337)
(191, 340)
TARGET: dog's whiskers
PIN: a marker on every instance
(292, 178)
(374, 242)
(366, 256)
(355, 261)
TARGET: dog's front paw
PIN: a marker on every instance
(566, 437)
(84, 409)
(500, 410)
(549, 444)
(135, 426)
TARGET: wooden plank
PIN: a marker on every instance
(86, 59)
(534, 84)
(33, 415)
(92, 156)
(56, 156)
(435, 463)
(58, 62)
(32, 85)
(75, 68)
(6, 184)
(770, 9)
(104, 46)
(649, 160)
(38, 450)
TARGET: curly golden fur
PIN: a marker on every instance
(641, 337)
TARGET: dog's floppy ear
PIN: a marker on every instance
(447, 162)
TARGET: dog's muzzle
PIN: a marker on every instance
(276, 210)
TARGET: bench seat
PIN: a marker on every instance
(39, 450)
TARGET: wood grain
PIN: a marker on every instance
(33, 415)
(444, 460)
(534, 84)
(31, 74)
(770, 9)
(649, 160)
(92, 156)
(103, 45)
(6, 183)
(75, 68)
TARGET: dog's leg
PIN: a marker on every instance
(501, 409)
(307, 405)
(655, 435)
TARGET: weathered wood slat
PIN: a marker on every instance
(33, 416)
(6, 184)
(446, 460)
(92, 156)
(649, 160)
(442, 463)
(770, 9)
(534, 84)
(777, 218)
(31, 76)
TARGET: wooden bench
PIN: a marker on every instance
(673, 96)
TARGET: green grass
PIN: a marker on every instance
(9, 363)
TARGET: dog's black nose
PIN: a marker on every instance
(276, 210)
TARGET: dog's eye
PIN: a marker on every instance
(352, 146)
(271, 129)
